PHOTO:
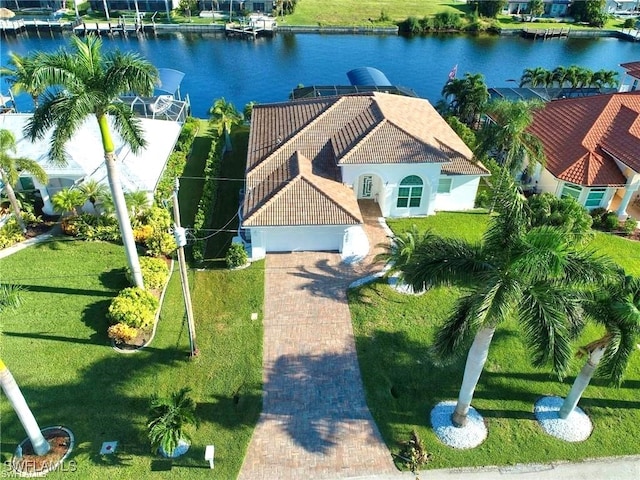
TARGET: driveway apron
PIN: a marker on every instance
(315, 422)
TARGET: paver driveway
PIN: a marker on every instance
(315, 422)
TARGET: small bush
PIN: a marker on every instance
(610, 221)
(155, 272)
(596, 215)
(10, 234)
(629, 23)
(629, 226)
(411, 26)
(447, 21)
(142, 233)
(134, 307)
(160, 242)
(236, 256)
(122, 333)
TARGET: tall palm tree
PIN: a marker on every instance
(21, 76)
(469, 95)
(10, 297)
(559, 76)
(10, 168)
(535, 77)
(618, 310)
(87, 82)
(223, 116)
(532, 274)
(605, 78)
(507, 138)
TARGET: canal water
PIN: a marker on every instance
(267, 69)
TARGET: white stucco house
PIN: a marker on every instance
(311, 161)
(85, 156)
(592, 146)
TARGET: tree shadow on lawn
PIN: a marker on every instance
(97, 406)
(63, 290)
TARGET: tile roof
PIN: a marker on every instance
(583, 137)
(632, 68)
(295, 149)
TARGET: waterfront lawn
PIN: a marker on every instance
(393, 333)
(367, 12)
(56, 346)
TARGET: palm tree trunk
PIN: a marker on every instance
(581, 382)
(476, 359)
(122, 214)
(13, 201)
(19, 404)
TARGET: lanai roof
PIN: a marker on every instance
(583, 137)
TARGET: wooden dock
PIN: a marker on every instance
(254, 26)
(535, 33)
(108, 28)
(15, 27)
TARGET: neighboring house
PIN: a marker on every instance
(552, 8)
(631, 78)
(592, 145)
(622, 7)
(310, 161)
(85, 156)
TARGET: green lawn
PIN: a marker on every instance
(393, 334)
(57, 348)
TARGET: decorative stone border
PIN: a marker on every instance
(48, 466)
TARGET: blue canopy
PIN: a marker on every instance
(170, 80)
(368, 76)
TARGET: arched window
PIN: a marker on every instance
(410, 192)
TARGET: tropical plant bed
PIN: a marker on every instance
(29, 464)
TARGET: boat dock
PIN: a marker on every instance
(107, 28)
(545, 33)
(14, 27)
(254, 26)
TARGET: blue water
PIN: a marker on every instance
(266, 70)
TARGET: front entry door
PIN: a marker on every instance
(367, 186)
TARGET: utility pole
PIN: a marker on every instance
(181, 240)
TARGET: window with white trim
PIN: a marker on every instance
(594, 199)
(410, 192)
(444, 185)
(571, 190)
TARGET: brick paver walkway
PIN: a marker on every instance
(315, 422)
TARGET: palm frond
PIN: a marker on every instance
(127, 125)
(456, 331)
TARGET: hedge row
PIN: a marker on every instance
(177, 160)
(209, 195)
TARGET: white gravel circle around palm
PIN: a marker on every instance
(469, 436)
(575, 428)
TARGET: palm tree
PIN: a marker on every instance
(507, 138)
(10, 297)
(138, 203)
(532, 274)
(88, 83)
(10, 168)
(535, 77)
(68, 200)
(168, 420)
(223, 116)
(94, 191)
(618, 310)
(605, 78)
(469, 95)
(559, 76)
(21, 76)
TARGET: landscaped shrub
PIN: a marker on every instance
(187, 135)
(134, 307)
(208, 199)
(596, 216)
(236, 256)
(629, 226)
(610, 221)
(160, 241)
(447, 21)
(629, 23)
(566, 213)
(155, 272)
(410, 26)
(142, 233)
(174, 168)
(122, 333)
(93, 227)
(10, 233)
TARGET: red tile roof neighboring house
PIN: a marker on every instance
(296, 149)
(632, 68)
(583, 137)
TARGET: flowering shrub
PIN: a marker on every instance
(122, 333)
(134, 307)
(155, 272)
(142, 233)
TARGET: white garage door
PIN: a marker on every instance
(303, 239)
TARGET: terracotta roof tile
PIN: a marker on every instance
(632, 68)
(583, 136)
